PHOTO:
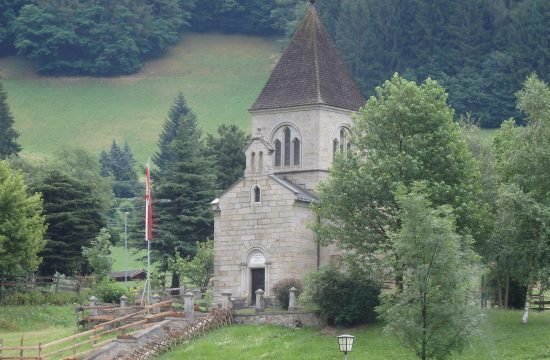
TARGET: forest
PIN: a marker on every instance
(479, 50)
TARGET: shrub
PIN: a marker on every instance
(110, 291)
(281, 290)
(344, 299)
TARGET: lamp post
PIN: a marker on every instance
(126, 249)
(345, 342)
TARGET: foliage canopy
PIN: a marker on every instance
(22, 224)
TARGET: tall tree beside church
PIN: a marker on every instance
(8, 135)
(227, 151)
(404, 134)
(435, 312)
(73, 214)
(184, 185)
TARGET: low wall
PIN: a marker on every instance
(288, 319)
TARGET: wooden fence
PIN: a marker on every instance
(78, 345)
(60, 283)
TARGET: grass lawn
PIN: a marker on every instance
(134, 259)
(37, 324)
(220, 76)
(501, 337)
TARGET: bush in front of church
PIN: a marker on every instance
(344, 299)
(282, 290)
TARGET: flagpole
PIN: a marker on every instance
(148, 235)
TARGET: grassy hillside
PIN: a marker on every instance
(219, 75)
(502, 336)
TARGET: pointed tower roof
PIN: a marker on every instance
(310, 72)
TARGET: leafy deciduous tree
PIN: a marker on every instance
(523, 161)
(199, 269)
(98, 254)
(434, 312)
(21, 224)
(404, 134)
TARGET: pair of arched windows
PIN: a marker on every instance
(342, 142)
(256, 165)
(287, 152)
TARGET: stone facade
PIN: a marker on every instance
(300, 120)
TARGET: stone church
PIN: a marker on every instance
(300, 120)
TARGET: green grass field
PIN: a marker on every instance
(37, 324)
(220, 76)
(502, 337)
(134, 259)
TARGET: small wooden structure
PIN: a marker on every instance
(140, 274)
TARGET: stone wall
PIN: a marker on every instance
(288, 319)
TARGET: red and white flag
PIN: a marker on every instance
(148, 208)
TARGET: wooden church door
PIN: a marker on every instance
(258, 282)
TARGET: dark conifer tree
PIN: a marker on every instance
(184, 185)
(227, 151)
(8, 135)
(74, 219)
(119, 163)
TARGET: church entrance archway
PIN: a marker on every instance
(255, 273)
(258, 282)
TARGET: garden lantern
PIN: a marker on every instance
(345, 342)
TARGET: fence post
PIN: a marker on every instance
(93, 304)
(155, 300)
(188, 306)
(39, 351)
(56, 277)
(123, 301)
(260, 302)
(1, 345)
(21, 350)
(292, 299)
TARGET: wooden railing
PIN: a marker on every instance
(78, 345)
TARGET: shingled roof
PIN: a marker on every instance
(310, 72)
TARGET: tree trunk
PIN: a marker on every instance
(499, 292)
(527, 305)
(175, 283)
(506, 292)
(483, 296)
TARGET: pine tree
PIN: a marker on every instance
(119, 164)
(227, 150)
(73, 215)
(174, 120)
(8, 145)
(184, 183)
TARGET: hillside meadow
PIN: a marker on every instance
(220, 76)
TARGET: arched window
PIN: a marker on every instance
(253, 161)
(342, 141)
(296, 147)
(277, 153)
(287, 146)
(257, 194)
